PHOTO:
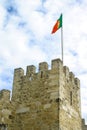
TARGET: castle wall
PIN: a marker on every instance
(37, 104)
(84, 126)
(70, 112)
(46, 100)
(5, 108)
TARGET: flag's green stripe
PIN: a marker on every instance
(60, 20)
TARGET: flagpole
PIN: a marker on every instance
(59, 24)
(62, 42)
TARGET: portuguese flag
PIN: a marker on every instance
(57, 25)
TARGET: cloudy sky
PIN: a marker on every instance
(25, 38)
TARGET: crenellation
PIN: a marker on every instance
(43, 66)
(56, 63)
(77, 82)
(18, 72)
(66, 71)
(84, 126)
(5, 94)
(47, 99)
(71, 76)
(17, 84)
(30, 70)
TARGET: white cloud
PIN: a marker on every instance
(25, 37)
(2, 16)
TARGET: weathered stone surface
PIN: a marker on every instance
(84, 126)
(22, 110)
(47, 100)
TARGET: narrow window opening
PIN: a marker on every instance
(3, 127)
(41, 74)
(71, 98)
(30, 78)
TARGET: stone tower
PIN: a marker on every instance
(4, 111)
(46, 100)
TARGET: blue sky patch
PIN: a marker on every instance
(73, 52)
(79, 1)
(10, 7)
(22, 24)
(12, 10)
(43, 1)
(43, 11)
(41, 8)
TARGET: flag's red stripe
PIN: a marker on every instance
(55, 28)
